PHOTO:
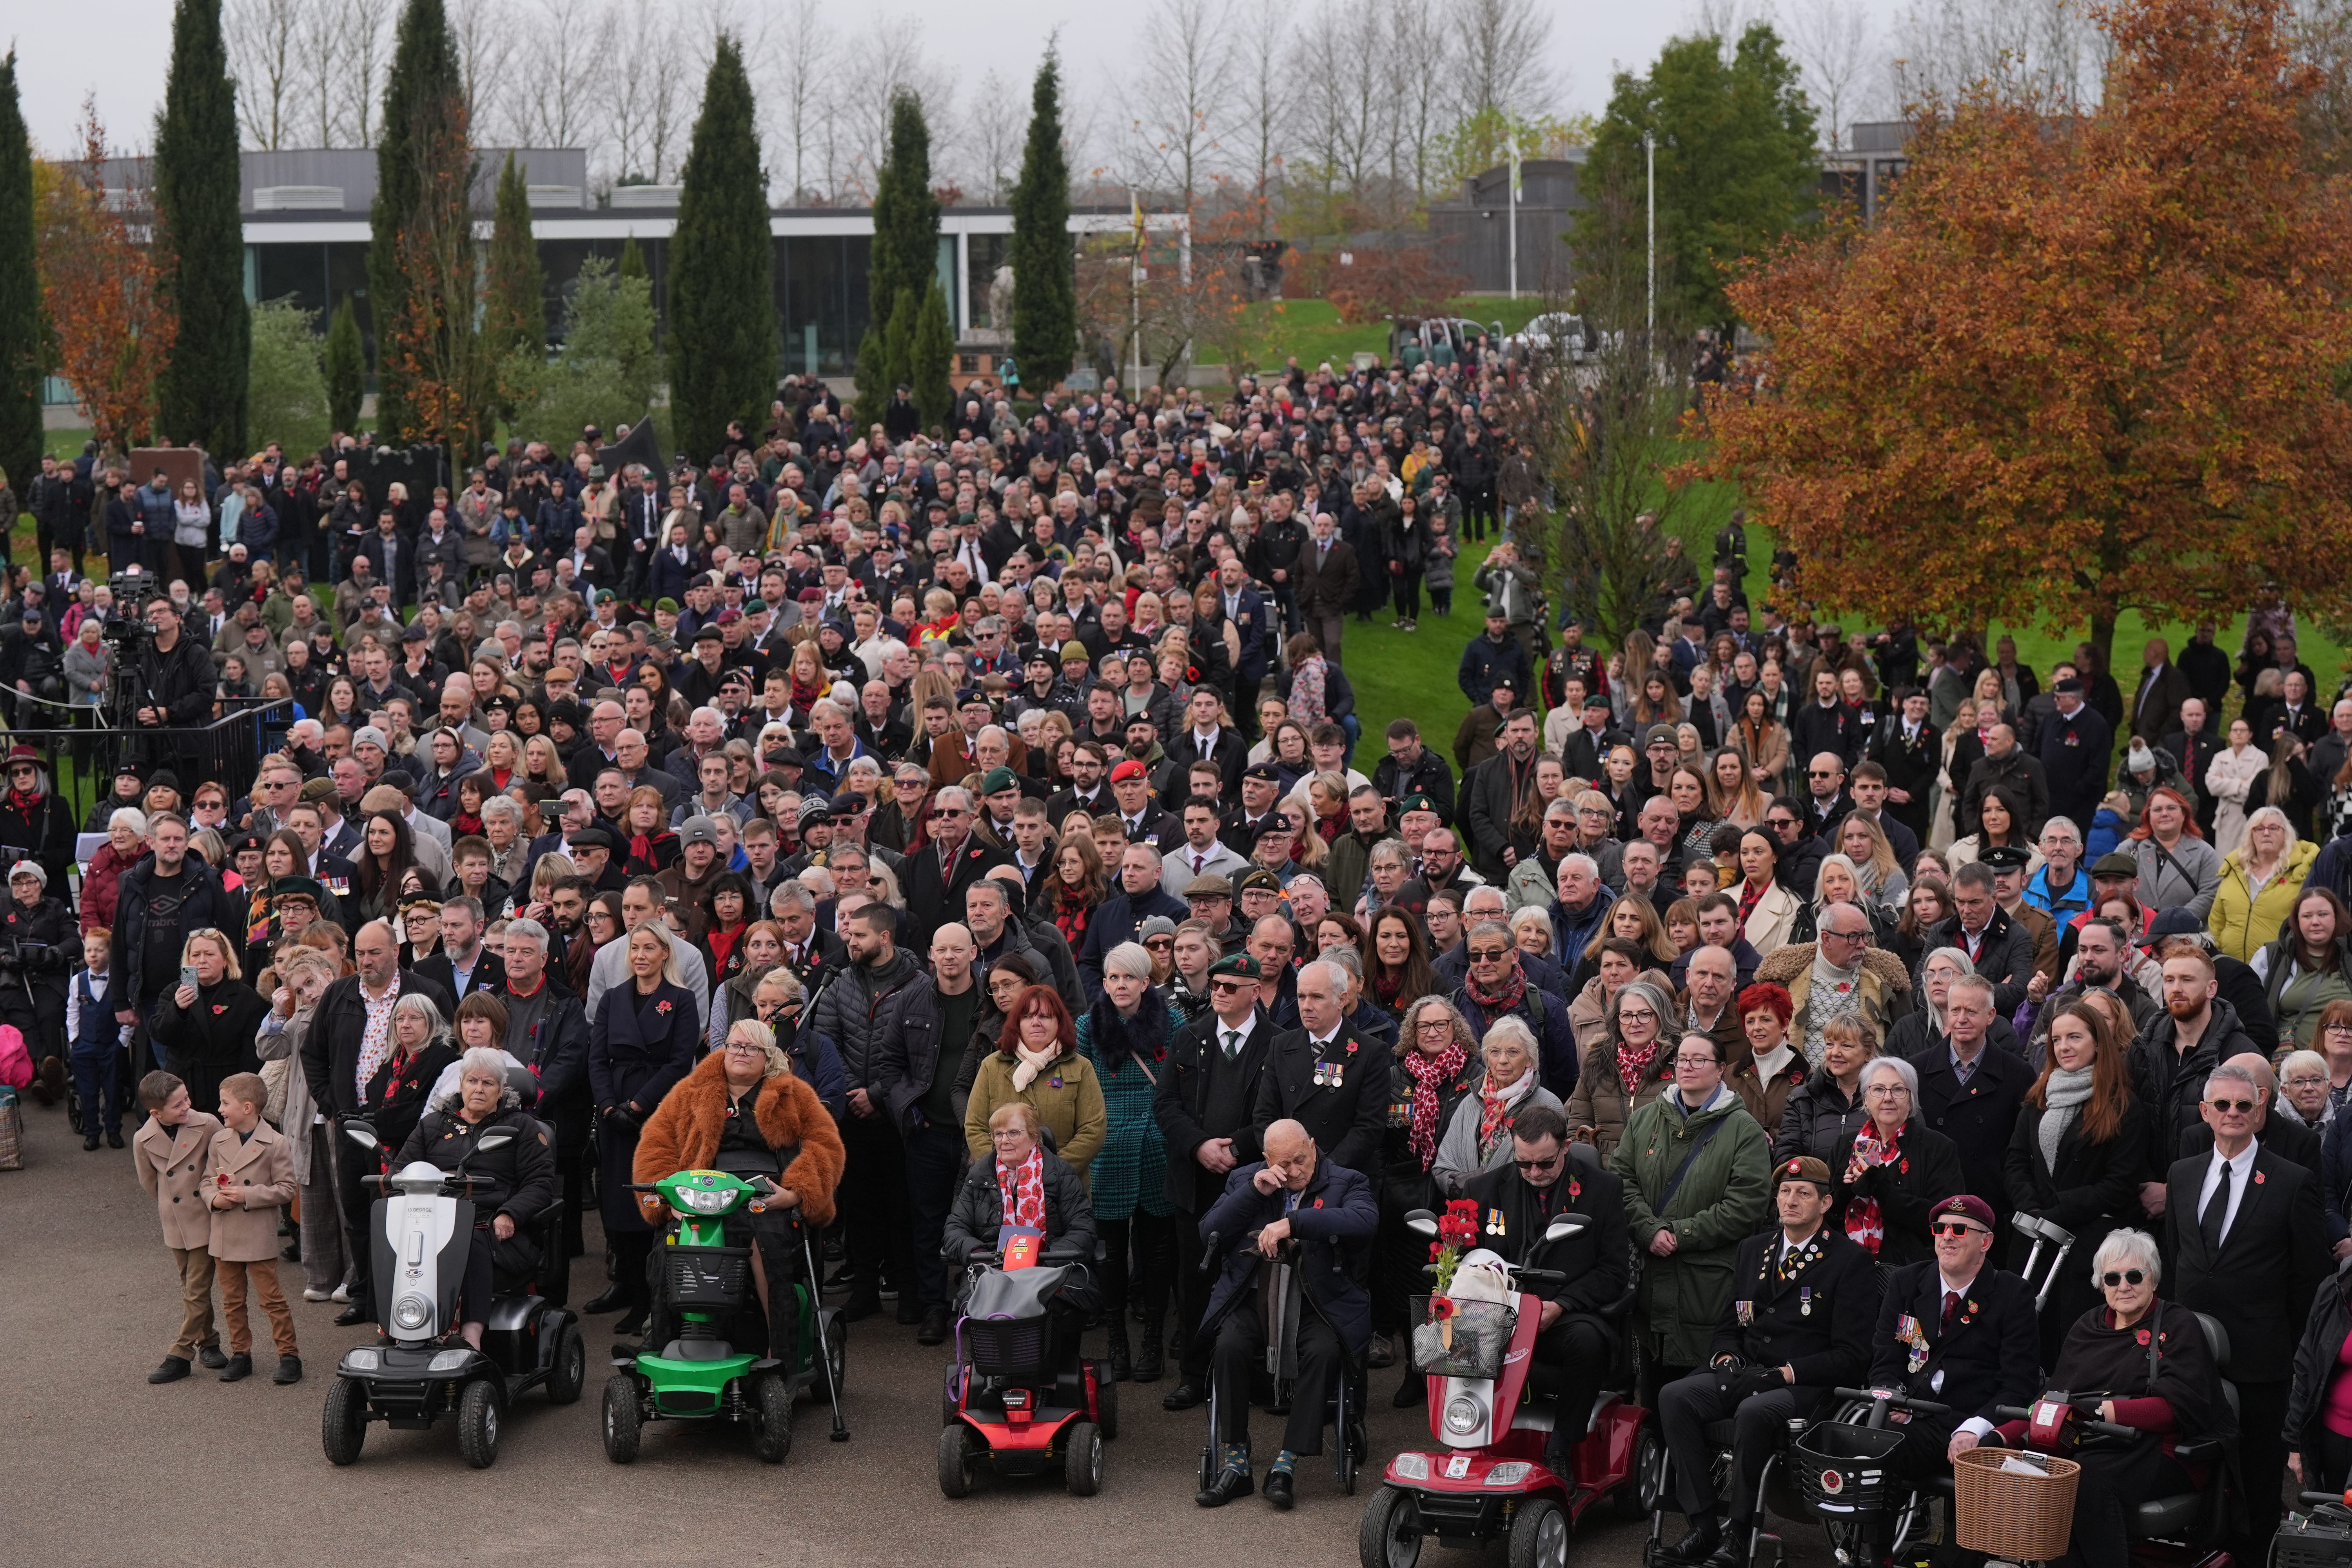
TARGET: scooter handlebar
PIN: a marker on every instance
(2315, 1498)
(1893, 1398)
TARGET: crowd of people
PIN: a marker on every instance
(1020, 769)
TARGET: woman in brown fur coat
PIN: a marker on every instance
(742, 1110)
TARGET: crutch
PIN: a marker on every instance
(824, 1350)
(2044, 1235)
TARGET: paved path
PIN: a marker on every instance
(99, 1468)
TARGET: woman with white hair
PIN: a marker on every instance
(743, 1111)
(1893, 1169)
(1478, 1138)
(2154, 1371)
(513, 1183)
(1125, 1036)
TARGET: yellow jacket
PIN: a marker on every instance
(2244, 922)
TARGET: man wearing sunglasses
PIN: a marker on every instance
(1957, 1330)
(1802, 1301)
(2249, 1242)
(1576, 1346)
(1204, 1103)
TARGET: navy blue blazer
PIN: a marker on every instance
(1335, 1222)
(638, 1047)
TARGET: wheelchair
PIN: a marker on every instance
(1281, 1300)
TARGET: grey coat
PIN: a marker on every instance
(1457, 1148)
(2185, 876)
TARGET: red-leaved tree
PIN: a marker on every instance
(113, 328)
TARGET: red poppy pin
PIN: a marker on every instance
(2141, 1336)
(1319, 1203)
(1351, 1047)
(1904, 1166)
(218, 1008)
(661, 1007)
(1575, 1188)
(2258, 1175)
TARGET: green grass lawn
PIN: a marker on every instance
(1312, 330)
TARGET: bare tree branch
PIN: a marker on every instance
(1831, 40)
(1180, 101)
(262, 36)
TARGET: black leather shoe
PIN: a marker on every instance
(935, 1327)
(1380, 1355)
(909, 1309)
(114, 1139)
(90, 1143)
(1185, 1395)
(862, 1304)
(1697, 1545)
(174, 1369)
(1229, 1485)
(1413, 1391)
(1733, 1552)
(610, 1299)
(290, 1370)
(239, 1368)
(1148, 1365)
(353, 1315)
(210, 1358)
(1278, 1490)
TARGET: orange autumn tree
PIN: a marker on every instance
(113, 329)
(2089, 361)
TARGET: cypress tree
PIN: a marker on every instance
(423, 80)
(346, 368)
(898, 342)
(906, 216)
(723, 348)
(200, 391)
(514, 317)
(633, 261)
(931, 350)
(24, 333)
(1045, 268)
(872, 372)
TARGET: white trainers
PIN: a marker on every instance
(310, 1295)
(340, 1293)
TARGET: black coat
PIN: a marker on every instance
(2316, 1356)
(934, 896)
(204, 902)
(1988, 1356)
(1927, 1171)
(331, 1051)
(1335, 1223)
(1816, 1121)
(2004, 956)
(2259, 1286)
(516, 1180)
(1598, 1262)
(639, 1049)
(978, 1212)
(490, 974)
(2092, 1190)
(2170, 1086)
(1345, 1119)
(1979, 1117)
(1817, 1321)
(1202, 1096)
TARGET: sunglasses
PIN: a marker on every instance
(1230, 986)
(1487, 954)
(1958, 1227)
(2128, 1276)
(1537, 1164)
(2243, 1107)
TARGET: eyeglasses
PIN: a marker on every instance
(1636, 1015)
(2243, 1107)
(1487, 954)
(1159, 942)
(1695, 1062)
(950, 811)
(2128, 1276)
(1435, 1027)
(1887, 1090)
(1537, 1164)
(1958, 1227)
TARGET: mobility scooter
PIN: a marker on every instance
(1491, 1477)
(702, 1284)
(419, 1369)
(1019, 1392)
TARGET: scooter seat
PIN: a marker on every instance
(2171, 1518)
(699, 1350)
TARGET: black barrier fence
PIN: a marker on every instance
(82, 761)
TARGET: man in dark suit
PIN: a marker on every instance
(461, 966)
(1959, 1332)
(937, 876)
(2001, 949)
(1326, 1076)
(2281, 1134)
(1296, 1193)
(2248, 1239)
(1969, 1090)
(1803, 1300)
(1206, 1098)
(1118, 917)
(1909, 750)
(1578, 1342)
(2156, 703)
(1328, 582)
(1207, 741)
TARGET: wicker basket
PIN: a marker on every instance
(2025, 1515)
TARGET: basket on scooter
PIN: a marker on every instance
(2320, 1539)
(1469, 1343)
(1843, 1468)
(699, 1277)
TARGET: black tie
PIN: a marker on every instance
(2217, 1212)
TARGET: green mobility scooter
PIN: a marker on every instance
(701, 1287)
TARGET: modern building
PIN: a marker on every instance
(1473, 231)
(306, 240)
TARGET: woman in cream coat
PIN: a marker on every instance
(2234, 769)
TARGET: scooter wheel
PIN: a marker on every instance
(1081, 1460)
(772, 1399)
(566, 1384)
(1389, 1535)
(478, 1423)
(1638, 1497)
(955, 1460)
(1540, 1536)
(343, 1426)
(624, 1418)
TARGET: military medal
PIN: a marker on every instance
(1745, 1311)
(1805, 1301)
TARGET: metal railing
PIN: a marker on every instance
(82, 760)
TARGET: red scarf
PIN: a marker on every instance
(1071, 913)
(465, 826)
(1504, 997)
(1024, 1187)
(722, 941)
(1750, 895)
(1429, 1072)
(1864, 1222)
(24, 800)
(1634, 1066)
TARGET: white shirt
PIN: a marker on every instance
(2242, 1171)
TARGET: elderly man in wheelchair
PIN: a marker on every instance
(1803, 1302)
(1324, 1215)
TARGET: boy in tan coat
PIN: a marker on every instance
(171, 1152)
(251, 1172)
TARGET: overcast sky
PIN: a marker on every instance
(119, 48)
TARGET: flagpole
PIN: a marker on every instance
(1515, 216)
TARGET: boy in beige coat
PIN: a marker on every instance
(171, 1152)
(250, 1174)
